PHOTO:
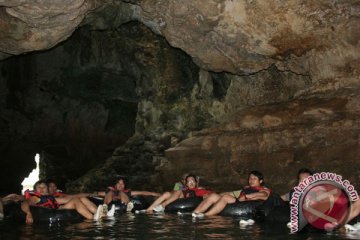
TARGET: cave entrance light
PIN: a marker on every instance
(33, 177)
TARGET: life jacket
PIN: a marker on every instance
(47, 201)
(195, 192)
(249, 190)
(117, 192)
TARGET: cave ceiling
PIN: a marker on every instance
(240, 37)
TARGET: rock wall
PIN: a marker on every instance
(277, 140)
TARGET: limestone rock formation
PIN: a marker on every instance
(277, 140)
(27, 25)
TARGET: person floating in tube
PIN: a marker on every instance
(119, 192)
(192, 190)
(215, 203)
(41, 198)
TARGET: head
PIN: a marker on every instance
(256, 179)
(41, 187)
(120, 184)
(303, 173)
(191, 181)
(183, 178)
(52, 186)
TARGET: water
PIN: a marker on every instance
(163, 226)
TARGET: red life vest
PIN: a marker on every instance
(195, 192)
(117, 192)
(47, 201)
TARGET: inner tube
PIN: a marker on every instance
(41, 214)
(272, 202)
(119, 206)
(241, 209)
(139, 202)
(96, 200)
(258, 209)
(183, 205)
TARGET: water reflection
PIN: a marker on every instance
(163, 226)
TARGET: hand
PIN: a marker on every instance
(29, 218)
(93, 194)
(156, 194)
(9, 197)
(18, 198)
(242, 198)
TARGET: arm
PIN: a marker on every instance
(25, 206)
(32, 200)
(13, 197)
(262, 195)
(144, 193)
(79, 195)
(98, 194)
(94, 194)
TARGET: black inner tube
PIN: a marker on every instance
(139, 202)
(251, 209)
(183, 205)
(41, 214)
(241, 209)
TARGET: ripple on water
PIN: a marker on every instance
(156, 226)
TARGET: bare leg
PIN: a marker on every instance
(63, 200)
(88, 204)
(159, 200)
(355, 210)
(108, 197)
(124, 198)
(174, 196)
(206, 203)
(220, 205)
(75, 203)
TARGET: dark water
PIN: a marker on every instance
(163, 226)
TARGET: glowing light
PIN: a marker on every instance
(33, 177)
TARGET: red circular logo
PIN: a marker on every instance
(325, 206)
